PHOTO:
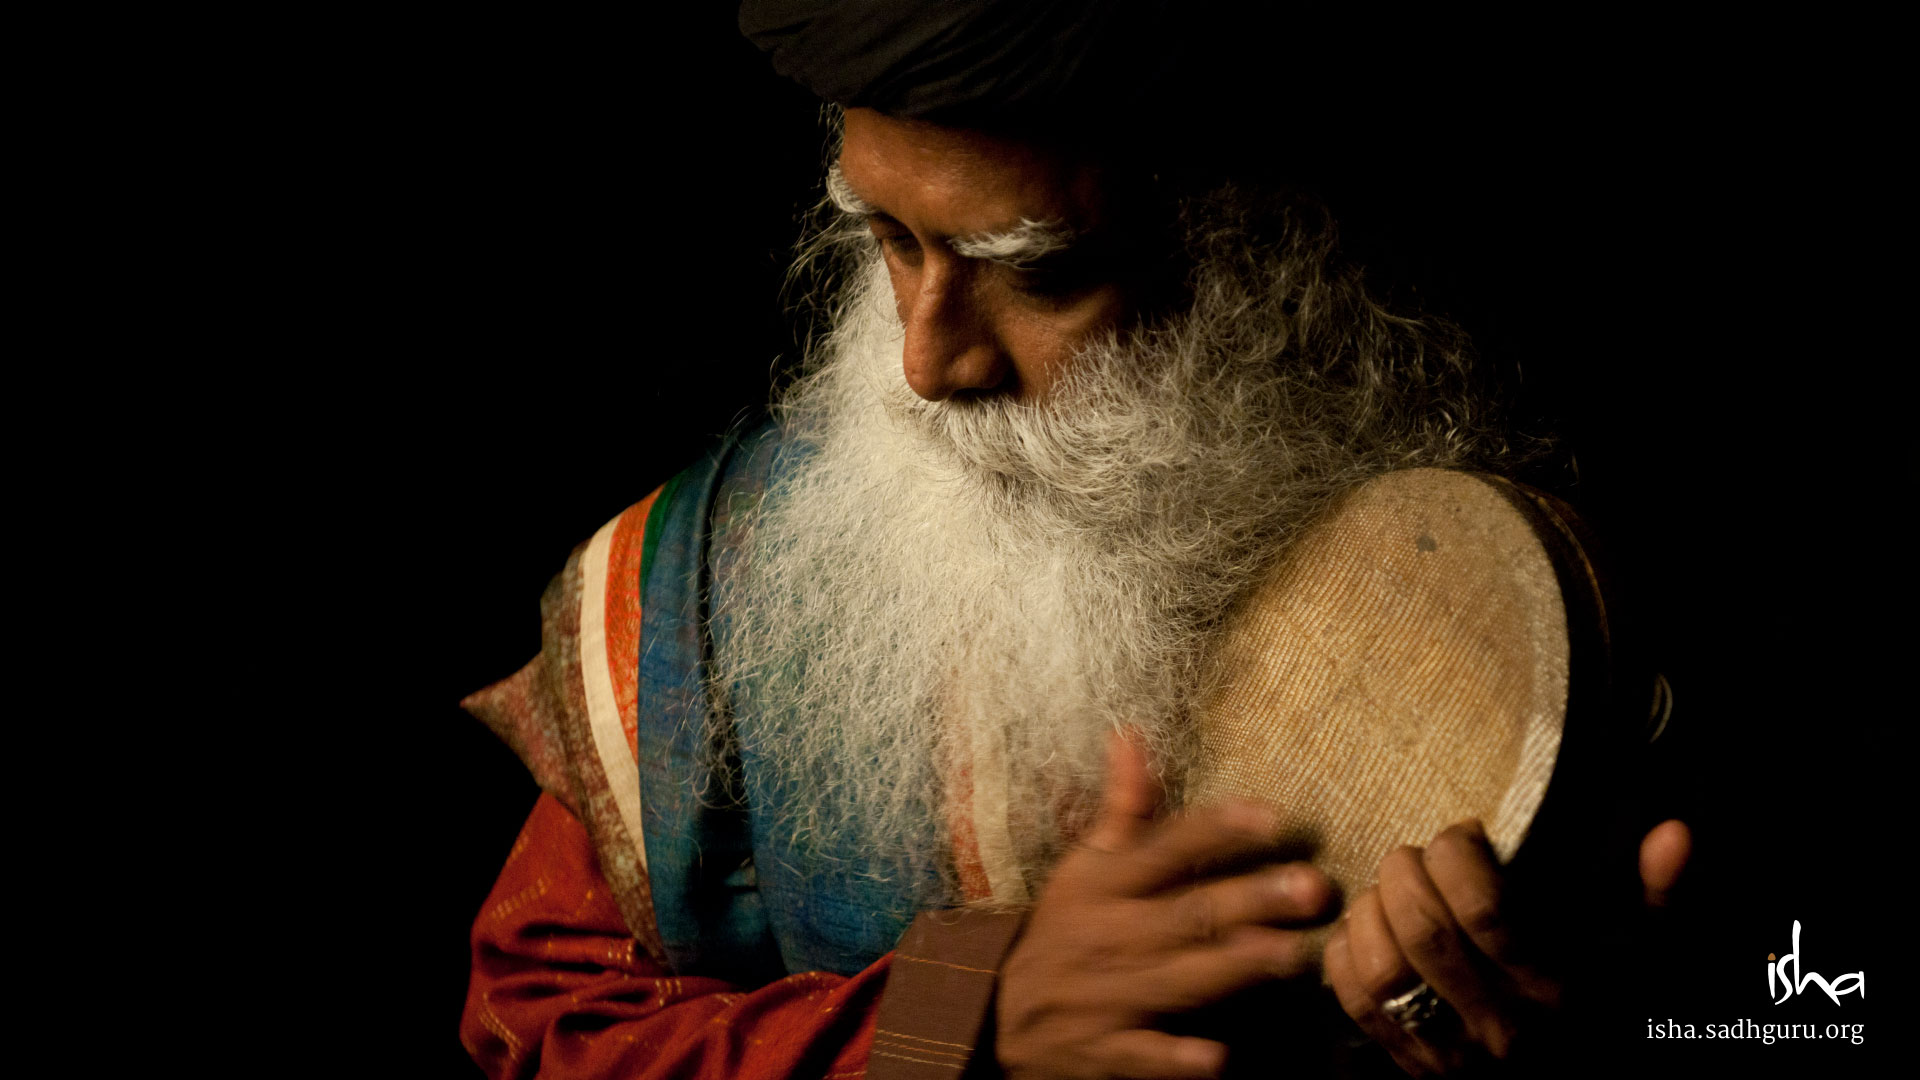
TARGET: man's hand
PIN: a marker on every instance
(1144, 921)
(1436, 917)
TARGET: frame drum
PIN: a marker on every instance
(1436, 647)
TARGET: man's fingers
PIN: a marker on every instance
(1363, 1007)
(1173, 852)
(1380, 969)
(1250, 956)
(1194, 845)
(1291, 894)
(1131, 798)
(1461, 865)
(1424, 928)
(1197, 977)
(1152, 1055)
(1663, 858)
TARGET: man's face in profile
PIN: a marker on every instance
(992, 249)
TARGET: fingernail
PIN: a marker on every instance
(1199, 1056)
(1288, 881)
(1301, 883)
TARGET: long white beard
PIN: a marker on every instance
(957, 601)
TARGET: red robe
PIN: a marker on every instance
(560, 988)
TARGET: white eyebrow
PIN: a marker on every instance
(842, 196)
(1018, 247)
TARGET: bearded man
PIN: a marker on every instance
(866, 741)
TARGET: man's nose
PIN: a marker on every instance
(950, 345)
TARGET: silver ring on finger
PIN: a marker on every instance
(1414, 1008)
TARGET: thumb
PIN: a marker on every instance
(1663, 859)
(1131, 798)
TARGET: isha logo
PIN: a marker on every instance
(1790, 985)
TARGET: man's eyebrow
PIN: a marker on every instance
(843, 197)
(1018, 247)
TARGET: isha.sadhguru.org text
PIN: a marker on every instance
(1748, 1029)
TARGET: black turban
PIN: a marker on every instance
(973, 62)
(1212, 84)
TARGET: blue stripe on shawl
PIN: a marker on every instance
(733, 898)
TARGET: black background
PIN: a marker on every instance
(510, 276)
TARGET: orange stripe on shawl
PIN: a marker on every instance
(623, 615)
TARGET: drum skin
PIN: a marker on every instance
(1436, 647)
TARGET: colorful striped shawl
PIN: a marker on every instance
(609, 719)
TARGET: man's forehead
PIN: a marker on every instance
(952, 182)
